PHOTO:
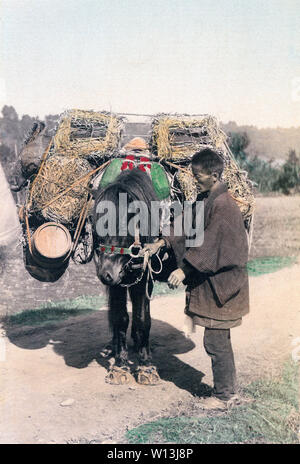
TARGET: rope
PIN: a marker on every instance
(28, 232)
(80, 224)
(178, 167)
(151, 272)
(147, 267)
(154, 115)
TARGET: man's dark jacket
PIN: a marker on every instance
(216, 274)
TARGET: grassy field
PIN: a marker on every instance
(270, 416)
(276, 227)
(56, 311)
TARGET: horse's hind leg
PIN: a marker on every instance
(141, 324)
(119, 373)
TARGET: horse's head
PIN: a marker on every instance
(115, 250)
(110, 267)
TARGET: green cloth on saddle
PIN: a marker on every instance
(158, 176)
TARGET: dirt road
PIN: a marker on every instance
(53, 390)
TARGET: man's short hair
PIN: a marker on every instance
(209, 160)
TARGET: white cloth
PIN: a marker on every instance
(188, 326)
(10, 228)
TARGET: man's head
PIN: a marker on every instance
(207, 167)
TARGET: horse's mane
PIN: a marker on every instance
(138, 187)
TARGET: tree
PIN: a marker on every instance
(238, 142)
(263, 173)
(9, 113)
(289, 178)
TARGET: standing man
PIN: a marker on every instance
(217, 292)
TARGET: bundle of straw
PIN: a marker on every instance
(200, 132)
(239, 186)
(57, 174)
(88, 134)
(179, 137)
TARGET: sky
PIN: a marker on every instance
(236, 59)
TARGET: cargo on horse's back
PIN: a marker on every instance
(31, 155)
(120, 265)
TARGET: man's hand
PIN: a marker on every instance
(152, 247)
(175, 278)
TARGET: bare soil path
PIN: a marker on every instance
(52, 377)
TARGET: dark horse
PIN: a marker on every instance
(120, 267)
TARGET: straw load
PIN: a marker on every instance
(179, 137)
(83, 140)
(60, 169)
(88, 134)
(175, 139)
(57, 173)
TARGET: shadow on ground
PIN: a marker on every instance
(80, 340)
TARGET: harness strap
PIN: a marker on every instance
(115, 249)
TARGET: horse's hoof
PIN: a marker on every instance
(119, 376)
(147, 375)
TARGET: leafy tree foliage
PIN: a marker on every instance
(289, 178)
(267, 176)
(238, 144)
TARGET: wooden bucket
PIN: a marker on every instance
(42, 274)
(51, 245)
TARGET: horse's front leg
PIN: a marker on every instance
(119, 373)
(140, 331)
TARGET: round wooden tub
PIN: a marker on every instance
(51, 245)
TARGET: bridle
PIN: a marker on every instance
(121, 250)
(132, 265)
